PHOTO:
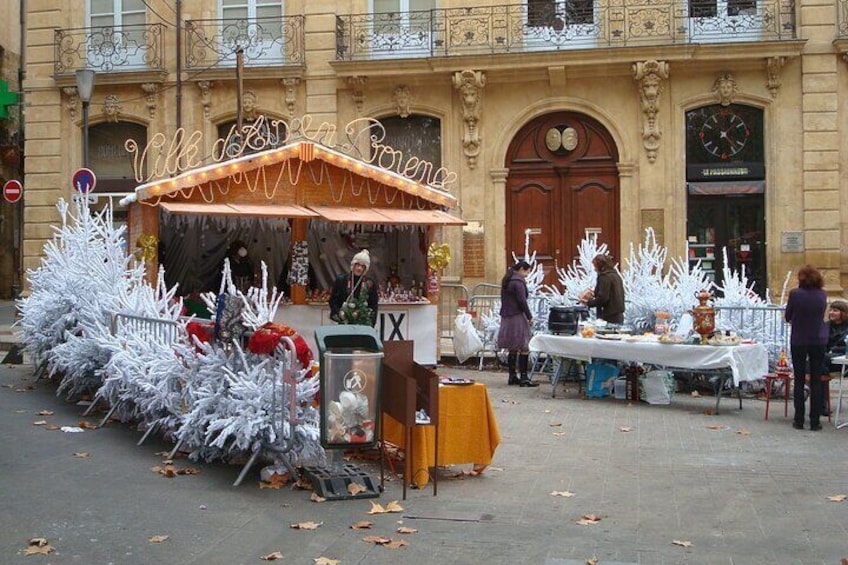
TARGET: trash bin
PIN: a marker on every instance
(351, 359)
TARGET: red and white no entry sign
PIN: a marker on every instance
(13, 190)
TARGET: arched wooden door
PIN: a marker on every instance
(563, 181)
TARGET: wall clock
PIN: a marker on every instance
(724, 133)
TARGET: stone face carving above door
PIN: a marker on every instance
(649, 75)
(403, 100)
(725, 89)
(470, 85)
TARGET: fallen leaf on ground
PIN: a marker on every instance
(38, 546)
(589, 519)
(45, 413)
(379, 540)
(355, 488)
(307, 525)
(86, 425)
(397, 544)
(592, 561)
(361, 525)
(682, 543)
(837, 498)
(708, 412)
(272, 556)
(376, 509)
(51, 427)
(394, 506)
(495, 469)
(625, 429)
(302, 483)
(743, 432)
(171, 471)
(326, 561)
(82, 454)
(277, 481)
(695, 394)
(716, 427)
(564, 493)
(559, 434)
(555, 424)
(158, 539)
(405, 530)
(315, 497)
(39, 423)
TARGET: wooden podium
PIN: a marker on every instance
(406, 388)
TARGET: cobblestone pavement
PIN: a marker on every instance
(740, 489)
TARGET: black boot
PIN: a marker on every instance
(510, 362)
(522, 366)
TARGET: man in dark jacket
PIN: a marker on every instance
(608, 295)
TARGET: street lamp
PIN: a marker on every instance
(85, 86)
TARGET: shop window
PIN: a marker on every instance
(418, 136)
(108, 156)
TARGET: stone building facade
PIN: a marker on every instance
(11, 159)
(718, 123)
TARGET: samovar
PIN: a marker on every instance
(703, 316)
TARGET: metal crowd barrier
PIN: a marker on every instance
(451, 297)
(765, 324)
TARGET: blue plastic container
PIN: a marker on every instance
(600, 379)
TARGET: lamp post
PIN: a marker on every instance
(85, 86)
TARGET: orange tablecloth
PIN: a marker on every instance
(468, 432)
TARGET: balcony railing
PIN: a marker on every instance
(109, 49)
(264, 42)
(580, 24)
(842, 31)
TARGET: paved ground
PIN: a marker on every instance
(748, 492)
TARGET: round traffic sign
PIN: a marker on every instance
(13, 190)
(84, 180)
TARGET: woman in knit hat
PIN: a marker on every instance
(354, 297)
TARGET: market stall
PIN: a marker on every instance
(303, 210)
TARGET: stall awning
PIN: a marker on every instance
(393, 216)
(253, 210)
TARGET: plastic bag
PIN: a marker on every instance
(466, 342)
(656, 387)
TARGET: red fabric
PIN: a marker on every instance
(265, 340)
(203, 331)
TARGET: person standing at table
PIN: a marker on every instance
(516, 321)
(354, 298)
(608, 296)
(805, 312)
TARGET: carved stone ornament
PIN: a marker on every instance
(724, 88)
(357, 87)
(111, 107)
(150, 89)
(470, 84)
(649, 75)
(403, 100)
(290, 85)
(773, 67)
(553, 139)
(73, 100)
(205, 87)
(249, 102)
(569, 138)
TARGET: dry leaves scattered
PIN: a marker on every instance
(555, 424)
(278, 480)
(39, 423)
(592, 561)
(405, 530)
(682, 543)
(82, 454)
(158, 539)
(743, 432)
(302, 483)
(563, 493)
(45, 413)
(716, 427)
(361, 525)
(326, 561)
(355, 488)
(837, 498)
(51, 427)
(625, 429)
(392, 506)
(171, 471)
(272, 556)
(386, 542)
(84, 424)
(559, 434)
(589, 519)
(38, 546)
(307, 525)
(315, 497)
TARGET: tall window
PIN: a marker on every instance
(557, 14)
(117, 39)
(255, 26)
(722, 8)
(250, 9)
(394, 15)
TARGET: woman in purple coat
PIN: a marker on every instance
(516, 320)
(805, 312)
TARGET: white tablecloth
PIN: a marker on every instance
(747, 362)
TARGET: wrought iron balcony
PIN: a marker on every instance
(560, 25)
(109, 49)
(264, 42)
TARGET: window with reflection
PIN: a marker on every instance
(256, 135)
(557, 14)
(416, 136)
